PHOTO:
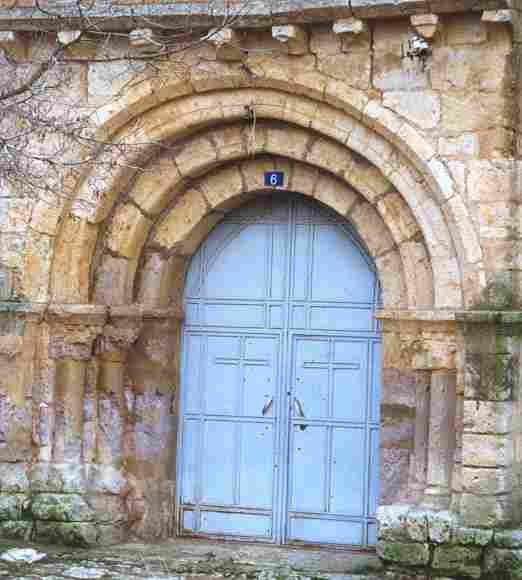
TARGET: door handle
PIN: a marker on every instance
(299, 406)
(267, 406)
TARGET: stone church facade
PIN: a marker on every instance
(401, 119)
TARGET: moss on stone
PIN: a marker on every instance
(61, 508)
(458, 560)
(412, 554)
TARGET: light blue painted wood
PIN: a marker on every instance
(279, 429)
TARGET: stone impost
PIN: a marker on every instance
(489, 426)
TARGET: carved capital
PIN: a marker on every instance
(72, 341)
(116, 339)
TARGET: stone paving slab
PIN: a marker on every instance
(190, 560)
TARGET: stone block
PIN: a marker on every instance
(461, 147)
(440, 526)
(465, 68)
(468, 111)
(398, 387)
(354, 68)
(128, 231)
(508, 538)
(61, 508)
(222, 186)
(488, 417)
(471, 536)
(111, 534)
(393, 291)
(486, 511)
(397, 214)
(70, 534)
(410, 554)
(419, 107)
(333, 193)
(417, 528)
(486, 481)
(227, 42)
(350, 26)
(368, 180)
(490, 181)
(392, 522)
(486, 450)
(107, 479)
(11, 506)
(153, 189)
(458, 560)
(16, 530)
(196, 156)
(13, 477)
(397, 427)
(327, 155)
(426, 25)
(58, 478)
(466, 29)
(184, 217)
(489, 377)
(293, 36)
(323, 42)
(109, 509)
(503, 564)
(372, 229)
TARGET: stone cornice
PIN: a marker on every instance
(87, 313)
(467, 316)
(128, 14)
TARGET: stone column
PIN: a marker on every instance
(428, 347)
(112, 351)
(418, 384)
(418, 465)
(441, 439)
(491, 386)
(73, 330)
(433, 351)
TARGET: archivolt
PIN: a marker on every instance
(312, 131)
(174, 216)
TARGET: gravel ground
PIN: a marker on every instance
(188, 560)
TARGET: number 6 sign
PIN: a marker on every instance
(274, 178)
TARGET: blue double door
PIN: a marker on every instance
(279, 421)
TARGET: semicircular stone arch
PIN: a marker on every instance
(334, 130)
(400, 256)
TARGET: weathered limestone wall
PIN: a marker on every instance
(421, 156)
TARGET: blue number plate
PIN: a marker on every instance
(274, 179)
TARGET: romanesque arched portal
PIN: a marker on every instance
(280, 381)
